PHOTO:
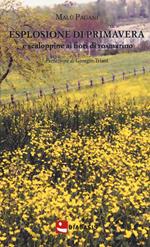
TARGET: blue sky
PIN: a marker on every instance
(50, 2)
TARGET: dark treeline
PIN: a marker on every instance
(110, 11)
(123, 9)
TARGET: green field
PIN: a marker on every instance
(73, 72)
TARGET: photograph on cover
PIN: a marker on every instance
(74, 123)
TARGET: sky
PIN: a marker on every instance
(50, 2)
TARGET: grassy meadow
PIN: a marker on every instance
(81, 156)
(59, 74)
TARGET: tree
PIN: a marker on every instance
(148, 4)
(133, 9)
(121, 9)
(101, 8)
(13, 56)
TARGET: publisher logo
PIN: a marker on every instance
(62, 226)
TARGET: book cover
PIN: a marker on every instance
(74, 123)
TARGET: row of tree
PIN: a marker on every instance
(132, 9)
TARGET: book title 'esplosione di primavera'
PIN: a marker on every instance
(77, 34)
